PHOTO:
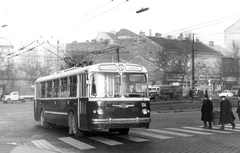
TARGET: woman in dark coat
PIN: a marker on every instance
(207, 108)
(226, 114)
(238, 107)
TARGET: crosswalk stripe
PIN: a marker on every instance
(76, 143)
(189, 131)
(230, 126)
(152, 135)
(230, 129)
(210, 130)
(43, 144)
(132, 138)
(106, 141)
(169, 132)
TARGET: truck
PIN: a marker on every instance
(165, 92)
(15, 96)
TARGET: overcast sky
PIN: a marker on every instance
(81, 20)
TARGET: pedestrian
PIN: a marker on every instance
(226, 114)
(207, 108)
(238, 107)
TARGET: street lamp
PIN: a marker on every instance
(4, 25)
(142, 10)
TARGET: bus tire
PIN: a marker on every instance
(44, 124)
(9, 100)
(73, 129)
(123, 131)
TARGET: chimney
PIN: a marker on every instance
(197, 40)
(181, 36)
(211, 43)
(169, 36)
(150, 32)
(158, 35)
(142, 33)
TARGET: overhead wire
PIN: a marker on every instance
(27, 50)
(98, 15)
(90, 12)
(204, 23)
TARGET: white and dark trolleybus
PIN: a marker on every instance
(95, 97)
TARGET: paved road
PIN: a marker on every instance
(169, 132)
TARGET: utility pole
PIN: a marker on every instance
(58, 55)
(117, 50)
(193, 77)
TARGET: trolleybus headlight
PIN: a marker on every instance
(145, 111)
(99, 111)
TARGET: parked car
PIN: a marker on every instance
(235, 89)
(15, 96)
(226, 93)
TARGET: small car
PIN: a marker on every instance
(226, 93)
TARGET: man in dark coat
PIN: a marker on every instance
(226, 114)
(238, 107)
(207, 108)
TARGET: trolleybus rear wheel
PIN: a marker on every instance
(44, 124)
(73, 122)
(123, 131)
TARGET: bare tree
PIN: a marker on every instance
(32, 68)
(235, 54)
(77, 58)
(7, 72)
(174, 59)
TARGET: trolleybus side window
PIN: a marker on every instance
(49, 88)
(73, 86)
(38, 86)
(56, 88)
(63, 87)
(43, 92)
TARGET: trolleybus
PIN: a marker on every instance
(94, 97)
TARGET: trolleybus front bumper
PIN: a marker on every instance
(112, 121)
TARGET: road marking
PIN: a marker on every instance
(230, 129)
(190, 131)
(210, 130)
(152, 135)
(170, 132)
(230, 126)
(43, 144)
(78, 144)
(12, 143)
(132, 138)
(106, 141)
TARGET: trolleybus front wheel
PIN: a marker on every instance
(73, 126)
(44, 124)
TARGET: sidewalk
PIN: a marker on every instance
(8, 148)
(186, 105)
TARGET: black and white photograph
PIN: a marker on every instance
(119, 76)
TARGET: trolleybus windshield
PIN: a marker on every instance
(106, 84)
